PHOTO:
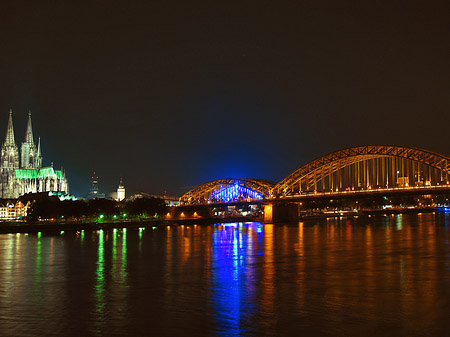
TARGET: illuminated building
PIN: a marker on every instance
(28, 176)
(19, 209)
(94, 191)
(120, 191)
(3, 211)
(11, 210)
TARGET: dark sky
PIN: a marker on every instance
(173, 94)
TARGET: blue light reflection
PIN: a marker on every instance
(235, 250)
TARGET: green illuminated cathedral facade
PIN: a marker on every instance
(22, 174)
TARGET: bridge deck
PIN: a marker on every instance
(394, 191)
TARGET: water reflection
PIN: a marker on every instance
(300, 250)
(233, 276)
(384, 274)
(123, 268)
(38, 266)
(100, 282)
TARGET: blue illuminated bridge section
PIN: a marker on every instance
(229, 190)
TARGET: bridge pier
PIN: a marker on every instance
(276, 213)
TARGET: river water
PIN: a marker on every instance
(383, 275)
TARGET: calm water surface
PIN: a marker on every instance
(384, 275)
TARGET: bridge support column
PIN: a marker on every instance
(276, 213)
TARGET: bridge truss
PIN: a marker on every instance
(367, 167)
(229, 190)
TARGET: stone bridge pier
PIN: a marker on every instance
(278, 213)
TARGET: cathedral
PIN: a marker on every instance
(22, 172)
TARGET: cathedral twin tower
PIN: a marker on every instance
(25, 174)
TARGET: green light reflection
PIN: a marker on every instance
(100, 279)
(123, 269)
(114, 252)
(38, 262)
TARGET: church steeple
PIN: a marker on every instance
(9, 162)
(10, 141)
(29, 132)
(28, 150)
(39, 147)
(39, 156)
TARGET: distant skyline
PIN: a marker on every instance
(169, 95)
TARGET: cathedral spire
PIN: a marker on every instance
(39, 147)
(10, 141)
(38, 163)
(29, 132)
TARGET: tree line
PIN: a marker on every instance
(54, 208)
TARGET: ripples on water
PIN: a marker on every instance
(385, 275)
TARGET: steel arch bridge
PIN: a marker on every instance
(229, 190)
(367, 167)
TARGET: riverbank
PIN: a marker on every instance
(28, 227)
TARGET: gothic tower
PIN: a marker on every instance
(28, 150)
(38, 163)
(120, 191)
(9, 162)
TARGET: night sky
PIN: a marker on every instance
(173, 94)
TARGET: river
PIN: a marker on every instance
(375, 276)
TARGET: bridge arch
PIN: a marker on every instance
(229, 190)
(370, 166)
